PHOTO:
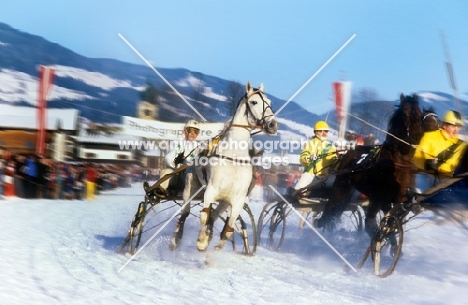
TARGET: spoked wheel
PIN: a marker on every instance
(272, 225)
(386, 246)
(132, 241)
(245, 232)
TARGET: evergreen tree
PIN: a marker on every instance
(150, 94)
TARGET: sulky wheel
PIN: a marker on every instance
(386, 246)
(132, 241)
(356, 217)
(272, 225)
(245, 232)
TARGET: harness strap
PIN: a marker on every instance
(433, 190)
(247, 126)
(409, 165)
(231, 159)
(447, 153)
(168, 176)
(320, 156)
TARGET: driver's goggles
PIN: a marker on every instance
(194, 130)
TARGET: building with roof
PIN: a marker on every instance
(18, 127)
(72, 138)
(104, 147)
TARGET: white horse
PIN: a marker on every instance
(229, 170)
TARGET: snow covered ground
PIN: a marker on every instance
(64, 252)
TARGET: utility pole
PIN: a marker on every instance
(451, 74)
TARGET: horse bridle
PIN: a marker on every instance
(433, 116)
(259, 120)
(413, 117)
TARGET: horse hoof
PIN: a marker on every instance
(174, 243)
(319, 223)
(202, 242)
(201, 246)
(370, 226)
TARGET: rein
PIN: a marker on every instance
(388, 133)
(250, 128)
(384, 131)
(401, 165)
(240, 160)
(259, 126)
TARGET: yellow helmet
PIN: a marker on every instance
(453, 117)
(192, 123)
(321, 125)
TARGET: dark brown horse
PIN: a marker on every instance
(383, 173)
(430, 120)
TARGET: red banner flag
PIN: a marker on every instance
(46, 78)
(342, 92)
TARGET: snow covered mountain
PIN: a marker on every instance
(441, 102)
(106, 85)
(103, 90)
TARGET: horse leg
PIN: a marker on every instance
(191, 186)
(381, 200)
(206, 225)
(228, 229)
(225, 235)
(178, 232)
(376, 205)
(340, 195)
(370, 223)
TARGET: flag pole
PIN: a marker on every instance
(46, 76)
(451, 74)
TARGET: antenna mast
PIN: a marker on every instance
(451, 74)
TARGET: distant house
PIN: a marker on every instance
(72, 138)
(18, 127)
(91, 146)
(147, 111)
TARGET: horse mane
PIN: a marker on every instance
(243, 97)
(395, 123)
(228, 123)
(429, 110)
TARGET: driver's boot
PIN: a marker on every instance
(157, 190)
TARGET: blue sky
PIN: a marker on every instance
(397, 48)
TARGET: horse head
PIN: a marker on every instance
(430, 119)
(259, 111)
(406, 122)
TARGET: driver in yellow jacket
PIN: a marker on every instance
(439, 151)
(317, 156)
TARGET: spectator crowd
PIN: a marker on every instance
(32, 177)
